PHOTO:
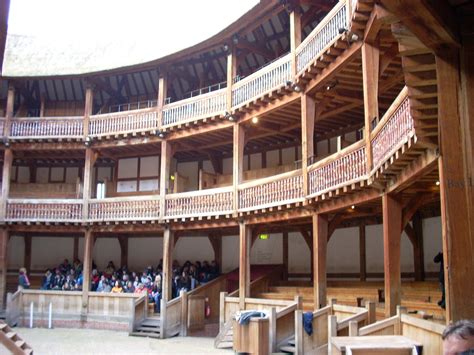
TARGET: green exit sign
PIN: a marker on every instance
(263, 236)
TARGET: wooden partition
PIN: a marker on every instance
(139, 311)
(171, 319)
(211, 291)
(14, 308)
(51, 190)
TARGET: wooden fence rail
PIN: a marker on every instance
(123, 122)
(44, 210)
(124, 208)
(47, 127)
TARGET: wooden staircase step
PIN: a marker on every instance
(225, 345)
(3, 326)
(20, 343)
(11, 335)
(149, 322)
(288, 349)
(145, 334)
(149, 329)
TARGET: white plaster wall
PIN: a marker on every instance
(227, 166)
(193, 249)
(207, 166)
(230, 253)
(343, 251)
(432, 242)
(288, 155)
(49, 252)
(71, 175)
(42, 175)
(143, 252)
(189, 170)
(15, 250)
(127, 168)
(299, 255)
(149, 166)
(255, 161)
(322, 148)
(272, 158)
(23, 174)
(106, 249)
(269, 251)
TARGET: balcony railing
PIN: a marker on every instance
(394, 130)
(44, 210)
(123, 122)
(2, 126)
(47, 127)
(194, 108)
(211, 202)
(341, 169)
(125, 209)
(272, 191)
(322, 37)
(264, 81)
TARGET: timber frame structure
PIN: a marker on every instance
(395, 74)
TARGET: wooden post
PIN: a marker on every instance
(3, 266)
(456, 179)
(162, 93)
(86, 274)
(238, 161)
(295, 38)
(27, 252)
(91, 157)
(418, 249)
(244, 263)
(215, 239)
(166, 155)
(362, 253)
(285, 255)
(123, 241)
(6, 176)
(308, 110)
(88, 108)
(370, 79)
(392, 220)
(9, 110)
(320, 242)
(167, 285)
(42, 104)
(231, 74)
(184, 313)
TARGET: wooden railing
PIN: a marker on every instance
(137, 208)
(14, 308)
(343, 168)
(282, 325)
(139, 311)
(206, 105)
(171, 316)
(212, 291)
(2, 126)
(209, 202)
(272, 191)
(394, 130)
(47, 127)
(123, 122)
(262, 82)
(24, 210)
(322, 37)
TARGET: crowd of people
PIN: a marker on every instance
(69, 277)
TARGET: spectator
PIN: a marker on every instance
(458, 338)
(117, 288)
(23, 281)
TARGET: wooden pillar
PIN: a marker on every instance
(370, 80)
(168, 246)
(88, 108)
(295, 38)
(166, 156)
(285, 255)
(86, 273)
(456, 179)
(123, 241)
(238, 161)
(308, 109)
(231, 74)
(6, 176)
(3, 266)
(42, 104)
(27, 252)
(392, 220)
(362, 253)
(245, 234)
(215, 239)
(162, 93)
(91, 157)
(418, 249)
(9, 110)
(320, 243)
(75, 251)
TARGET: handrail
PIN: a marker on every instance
(47, 127)
(287, 310)
(356, 317)
(207, 285)
(128, 208)
(44, 210)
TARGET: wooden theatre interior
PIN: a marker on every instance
(332, 140)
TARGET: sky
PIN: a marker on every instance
(148, 29)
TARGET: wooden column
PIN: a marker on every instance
(320, 243)
(123, 241)
(86, 273)
(238, 161)
(91, 157)
(166, 156)
(245, 234)
(3, 266)
(370, 80)
(418, 249)
(285, 255)
(392, 220)
(42, 104)
(162, 93)
(308, 109)
(456, 179)
(231, 74)
(168, 246)
(295, 38)
(215, 239)
(362, 253)
(27, 252)
(9, 110)
(88, 107)
(75, 251)
(6, 176)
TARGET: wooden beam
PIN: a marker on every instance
(285, 254)
(335, 221)
(418, 251)
(88, 108)
(162, 93)
(245, 234)
(238, 161)
(320, 241)
(123, 241)
(165, 162)
(362, 253)
(295, 38)
(168, 246)
(91, 157)
(456, 186)
(3, 266)
(6, 177)
(86, 274)
(232, 66)
(307, 136)
(392, 216)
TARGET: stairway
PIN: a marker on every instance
(290, 347)
(150, 327)
(225, 338)
(12, 341)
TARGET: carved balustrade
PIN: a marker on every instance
(44, 210)
(123, 122)
(47, 127)
(139, 208)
